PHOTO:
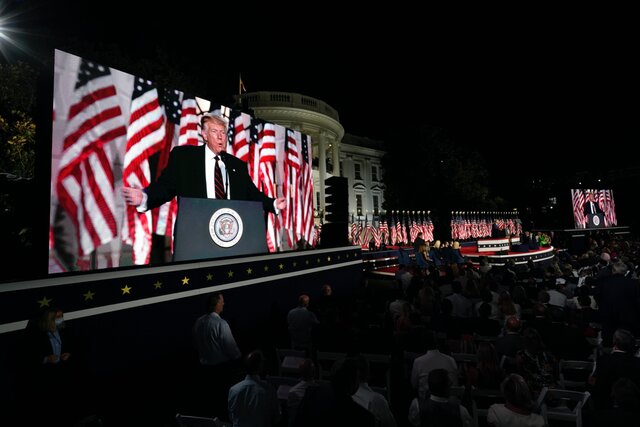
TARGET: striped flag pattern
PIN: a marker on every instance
(267, 184)
(306, 191)
(145, 135)
(85, 182)
(291, 184)
(238, 144)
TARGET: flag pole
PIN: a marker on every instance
(241, 87)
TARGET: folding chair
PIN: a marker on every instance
(289, 361)
(326, 359)
(481, 400)
(569, 409)
(282, 385)
(574, 374)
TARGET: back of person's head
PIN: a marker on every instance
(516, 392)
(486, 295)
(457, 287)
(430, 340)
(485, 310)
(619, 267)
(487, 354)
(307, 369)
(626, 394)
(446, 306)
(539, 309)
(532, 341)
(46, 320)
(584, 300)
(344, 376)
(624, 340)
(326, 290)
(556, 314)
(519, 293)
(512, 324)
(303, 300)
(456, 245)
(254, 362)
(437, 244)
(212, 301)
(544, 297)
(439, 383)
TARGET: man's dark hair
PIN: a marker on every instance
(439, 383)
(212, 300)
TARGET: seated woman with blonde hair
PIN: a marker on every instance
(517, 411)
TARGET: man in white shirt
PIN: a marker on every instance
(370, 400)
(429, 361)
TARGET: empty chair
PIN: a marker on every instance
(574, 374)
(282, 385)
(289, 361)
(465, 357)
(482, 399)
(567, 405)
(325, 360)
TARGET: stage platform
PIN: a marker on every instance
(501, 258)
(387, 261)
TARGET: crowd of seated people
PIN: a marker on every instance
(512, 323)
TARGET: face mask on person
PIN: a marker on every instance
(59, 322)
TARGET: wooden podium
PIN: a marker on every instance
(211, 228)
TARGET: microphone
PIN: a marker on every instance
(223, 155)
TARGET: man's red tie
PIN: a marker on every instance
(220, 193)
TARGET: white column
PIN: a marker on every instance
(336, 157)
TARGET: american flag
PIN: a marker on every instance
(267, 184)
(415, 228)
(384, 231)
(352, 230)
(578, 199)
(428, 229)
(293, 210)
(238, 145)
(306, 191)
(392, 230)
(85, 183)
(610, 208)
(145, 136)
(253, 157)
(399, 235)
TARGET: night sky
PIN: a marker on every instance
(548, 87)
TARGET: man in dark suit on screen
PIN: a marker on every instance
(592, 212)
(591, 206)
(206, 171)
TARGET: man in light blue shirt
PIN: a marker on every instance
(212, 335)
(218, 354)
(253, 402)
